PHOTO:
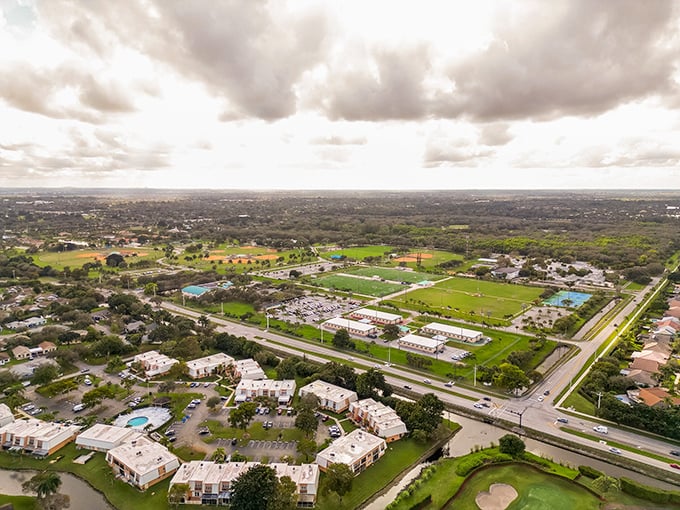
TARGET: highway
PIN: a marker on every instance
(537, 411)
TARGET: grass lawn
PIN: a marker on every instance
(579, 403)
(76, 258)
(360, 252)
(392, 274)
(19, 502)
(359, 285)
(399, 455)
(231, 308)
(536, 489)
(219, 430)
(475, 298)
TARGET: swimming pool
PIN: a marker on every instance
(137, 421)
(568, 299)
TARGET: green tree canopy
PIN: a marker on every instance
(341, 340)
(339, 479)
(511, 445)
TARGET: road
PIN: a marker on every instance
(537, 411)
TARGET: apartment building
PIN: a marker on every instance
(358, 450)
(209, 365)
(331, 397)
(378, 418)
(36, 436)
(142, 462)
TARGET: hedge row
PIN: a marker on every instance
(649, 493)
(590, 472)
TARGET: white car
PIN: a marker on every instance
(427, 381)
(540, 399)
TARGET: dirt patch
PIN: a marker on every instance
(90, 255)
(498, 497)
(215, 257)
(413, 257)
(266, 257)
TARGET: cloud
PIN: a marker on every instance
(339, 140)
(573, 58)
(454, 153)
(108, 97)
(495, 134)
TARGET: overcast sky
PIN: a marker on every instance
(342, 94)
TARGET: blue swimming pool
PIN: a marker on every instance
(568, 299)
(137, 421)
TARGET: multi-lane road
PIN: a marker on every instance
(537, 411)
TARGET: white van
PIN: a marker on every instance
(78, 407)
(601, 429)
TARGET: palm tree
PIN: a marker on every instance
(43, 484)
(219, 455)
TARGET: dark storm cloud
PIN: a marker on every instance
(566, 58)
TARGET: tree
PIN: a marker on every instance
(150, 289)
(511, 445)
(219, 455)
(511, 377)
(44, 374)
(308, 401)
(177, 494)
(306, 422)
(306, 447)
(254, 488)
(339, 479)
(241, 416)
(285, 497)
(213, 402)
(341, 340)
(43, 484)
(371, 382)
(391, 331)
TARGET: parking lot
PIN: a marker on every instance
(312, 309)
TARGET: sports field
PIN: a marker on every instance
(478, 297)
(392, 274)
(359, 285)
(360, 252)
(536, 490)
(76, 258)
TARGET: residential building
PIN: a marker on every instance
(331, 397)
(377, 316)
(358, 450)
(142, 462)
(4, 358)
(422, 343)
(378, 418)
(648, 365)
(6, 415)
(506, 273)
(249, 369)
(31, 322)
(209, 365)
(454, 332)
(134, 327)
(352, 327)
(47, 347)
(153, 363)
(210, 483)
(102, 438)
(657, 397)
(36, 436)
(21, 352)
(282, 391)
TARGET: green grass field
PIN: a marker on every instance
(358, 285)
(393, 274)
(536, 490)
(359, 252)
(76, 258)
(474, 297)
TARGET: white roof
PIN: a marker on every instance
(350, 324)
(421, 340)
(267, 384)
(143, 455)
(210, 361)
(347, 449)
(453, 330)
(377, 314)
(328, 391)
(40, 430)
(382, 417)
(107, 434)
(212, 473)
(5, 412)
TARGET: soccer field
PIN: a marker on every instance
(478, 297)
(395, 275)
(359, 285)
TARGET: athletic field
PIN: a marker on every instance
(358, 285)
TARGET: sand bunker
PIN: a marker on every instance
(498, 497)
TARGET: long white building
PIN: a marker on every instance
(282, 391)
(210, 483)
(378, 418)
(209, 365)
(358, 450)
(331, 397)
(421, 343)
(36, 436)
(102, 438)
(6, 415)
(377, 316)
(142, 462)
(352, 327)
(249, 369)
(466, 335)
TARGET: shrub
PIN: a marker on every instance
(468, 465)
(649, 493)
(590, 472)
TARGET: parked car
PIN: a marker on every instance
(84, 370)
(407, 387)
(540, 398)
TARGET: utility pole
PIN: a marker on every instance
(599, 398)
(475, 376)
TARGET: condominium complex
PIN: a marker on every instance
(36, 436)
(142, 462)
(331, 397)
(249, 369)
(154, 363)
(210, 483)
(102, 438)
(358, 450)
(209, 365)
(378, 418)
(282, 391)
